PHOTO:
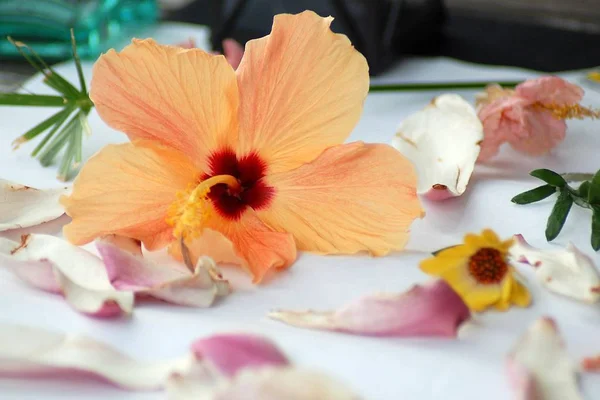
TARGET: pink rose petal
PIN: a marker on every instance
(51, 264)
(432, 310)
(127, 271)
(230, 353)
(539, 367)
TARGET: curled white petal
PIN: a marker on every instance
(567, 271)
(269, 383)
(27, 352)
(442, 141)
(54, 265)
(23, 206)
(539, 367)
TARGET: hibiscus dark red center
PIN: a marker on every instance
(249, 170)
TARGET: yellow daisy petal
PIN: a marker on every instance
(482, 297)
(490, 237)
(456, 251)
(437, 265)
(506, 245)
(520, 295)
(475, 242)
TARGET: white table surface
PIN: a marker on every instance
(394, 368)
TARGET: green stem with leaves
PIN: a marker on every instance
(587, 195)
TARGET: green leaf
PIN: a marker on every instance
(533, 195)
(583, 190)
(49, 153)
(594, 193)
(65, 114)
(550, 177)
(596, 178)
(559, 214)
(78, 63)
(596, 229)
(36, 130)
(19, 99)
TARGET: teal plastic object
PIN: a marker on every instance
(45, 25)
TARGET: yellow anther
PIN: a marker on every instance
(570, 111)
(192, 208)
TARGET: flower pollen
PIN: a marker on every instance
(488, 266)
(192, 208)
(570, 111)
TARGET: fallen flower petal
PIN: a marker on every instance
(264, 384)
(230, 353)
(539, 367)
(431, 310)
(127, 271)
(27, 352)
(591, 364)
(52, 264)
(23, 206)
(442, 141)
(567, 271)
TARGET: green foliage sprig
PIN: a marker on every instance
(587, 195)
(64, 128)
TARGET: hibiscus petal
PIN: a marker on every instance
(567, 271)
(432, 310)
(539, 367)
(354, 197)
(141, 276)
(264, 384)
(442, 141)
(23, 206)
(256, 245)
(126, 190)
(302, 90)
(53, 265)
(27, 352)
(184, 99)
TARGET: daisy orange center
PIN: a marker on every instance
(488, 266)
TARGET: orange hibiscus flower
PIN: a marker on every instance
(247, 165)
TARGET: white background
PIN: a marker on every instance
(471, 367)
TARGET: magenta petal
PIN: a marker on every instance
(232, 352)
(431, 310)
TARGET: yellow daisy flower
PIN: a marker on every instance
(479, 272)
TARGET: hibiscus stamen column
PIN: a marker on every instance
(189, 213)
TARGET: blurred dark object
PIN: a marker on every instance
(382, 30)
(467, 34)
